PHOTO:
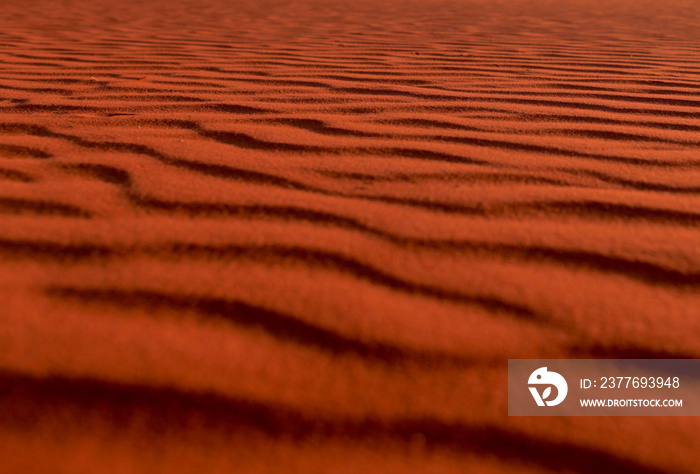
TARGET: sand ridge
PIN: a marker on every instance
(306, 236)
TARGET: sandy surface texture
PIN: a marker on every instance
(305, 236)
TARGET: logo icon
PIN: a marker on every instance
(542, 376)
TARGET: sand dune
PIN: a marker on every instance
(306, 236)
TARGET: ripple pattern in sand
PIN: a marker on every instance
(284, 237)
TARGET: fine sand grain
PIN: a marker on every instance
(305, 236)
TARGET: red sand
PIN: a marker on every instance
(306, 236)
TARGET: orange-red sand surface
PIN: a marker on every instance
(305, 236)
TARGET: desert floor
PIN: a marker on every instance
(306, 236)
